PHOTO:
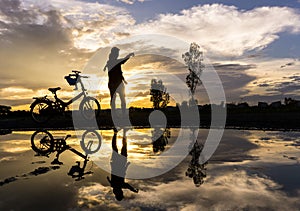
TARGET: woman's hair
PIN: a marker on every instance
(114, 53)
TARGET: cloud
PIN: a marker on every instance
(295, 78)
(225, 30)
(229, 72)
(92, 25)
(131, 1)
(286, 86)
(43, 41)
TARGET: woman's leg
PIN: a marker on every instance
(121, 90)
(112, 99)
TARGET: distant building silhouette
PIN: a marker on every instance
(276, 104)
(230, 105)
(243, 105)
(290, 102)
(4, 110)
(262, 105)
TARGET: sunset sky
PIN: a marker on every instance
(253, 45)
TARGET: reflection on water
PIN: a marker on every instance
(119, 165)
(253, 170)
(196, 171)
(160, 138)
(5, 131)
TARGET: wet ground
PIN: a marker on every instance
(251, 170)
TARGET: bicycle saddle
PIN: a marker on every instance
(53, 90)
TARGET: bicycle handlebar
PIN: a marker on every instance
(68, 136)
(77, 74)
(76, 71)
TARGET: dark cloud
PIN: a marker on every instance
(277, 90)
(287, 64)
(295, 78)
(15, 102)
(263, 85)
(234, 79)
(286, 87)
(233, 67)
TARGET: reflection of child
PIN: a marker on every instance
(117, 183)
(119, 167)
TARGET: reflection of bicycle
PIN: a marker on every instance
(43, 108)
(43, 143)
(78, 172)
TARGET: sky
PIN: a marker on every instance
(253, 46)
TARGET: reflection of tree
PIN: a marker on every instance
(160, 138)
(193, 59)
(159, 95)
(196, 170)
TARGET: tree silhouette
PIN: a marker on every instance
(193, 59)
(159, 95)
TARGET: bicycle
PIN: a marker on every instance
(42, 109)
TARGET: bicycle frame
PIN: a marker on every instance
(65, 104)
(83, 93)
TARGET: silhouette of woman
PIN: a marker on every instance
(119, 167)
(115, 78)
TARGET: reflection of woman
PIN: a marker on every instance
(115, 78)
(119, 166)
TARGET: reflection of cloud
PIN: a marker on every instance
(8, 158)
(273, 145)
(14, 146)
(96, 196)
(229, 191)
(233, 191)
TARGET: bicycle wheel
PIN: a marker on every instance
(89, 108)
(42, 142)
(90, 142)
(41, 111)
